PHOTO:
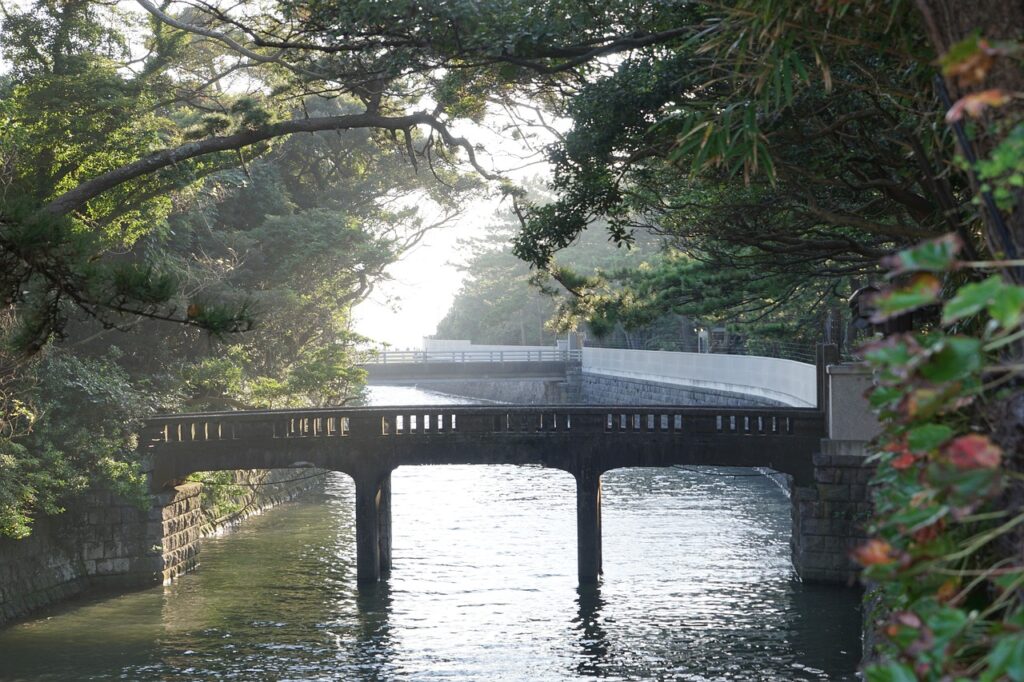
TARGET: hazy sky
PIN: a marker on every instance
(408, 307)
(404, 309)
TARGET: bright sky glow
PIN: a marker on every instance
(406, 308)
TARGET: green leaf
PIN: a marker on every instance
(890, 672)
(954, 357)
(889, 353)
(1007, 305)
(946, 622)
(960, 52)
(1004, 302)
(971, 299)
(924, 290)
(928, 437)
(935, 255)
(883, 395)
(1007, 657)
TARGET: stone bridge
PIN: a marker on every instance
(806, 422)
(369, 443)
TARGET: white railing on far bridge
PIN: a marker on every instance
(476, 355)
(787, 381)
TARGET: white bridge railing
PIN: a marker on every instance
(424, 357)
(780, 380)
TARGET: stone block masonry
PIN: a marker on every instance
(101, 542)
(181, 521)
(829, 517)
(602, 389)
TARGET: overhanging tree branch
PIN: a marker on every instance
(76, 199)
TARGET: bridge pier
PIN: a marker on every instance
(373, 526)
(384, 525)
(588, 524)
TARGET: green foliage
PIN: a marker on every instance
(1003, 170)
(736, 145)
(72, 428)
(223, 495)
(941, 521)
(295, 234)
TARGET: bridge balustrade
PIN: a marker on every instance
(432, 422)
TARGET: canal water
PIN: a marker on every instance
(697, 586)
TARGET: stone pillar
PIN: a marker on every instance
(829, 516)
(373, 526)
(588, 525)
(181, 520)
(573, 382)
(367, 530)
(849, 415)
(384, 525)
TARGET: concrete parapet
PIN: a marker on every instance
(785, 382)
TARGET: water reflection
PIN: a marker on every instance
(593, 638)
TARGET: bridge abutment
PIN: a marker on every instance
(830, 513)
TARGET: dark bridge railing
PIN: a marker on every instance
(432, 421)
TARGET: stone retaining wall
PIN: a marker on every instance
(602, 389)
(105, 542)
(181, 522)
(43, 568)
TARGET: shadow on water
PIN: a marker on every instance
(826, 626)
(374, 645)
(593, 639)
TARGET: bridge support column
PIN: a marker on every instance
(384, 526)
(373, 527)
(588, 525)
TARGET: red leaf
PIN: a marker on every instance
(904, 461)
(974, 105)
(974, 451)
(874, 552)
